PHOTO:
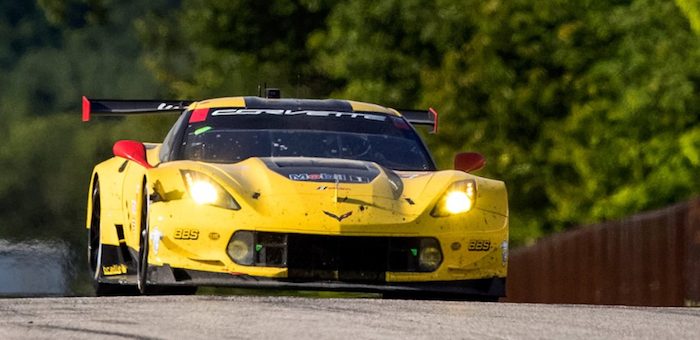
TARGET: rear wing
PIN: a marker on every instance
(113, 107)
(116, 107)
(422, 117)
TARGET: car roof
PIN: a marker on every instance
(293, 104)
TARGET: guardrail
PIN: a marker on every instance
(650, 259)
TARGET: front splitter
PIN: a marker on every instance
(167, 276)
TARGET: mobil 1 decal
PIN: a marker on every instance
(329, 177)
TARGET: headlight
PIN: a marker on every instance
(240, 248)
(205, 190)
(459, 198)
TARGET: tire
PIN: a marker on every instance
(142, 272)
(94, 244)
(94, 250)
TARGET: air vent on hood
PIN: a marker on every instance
(323, 170)
(320, 163)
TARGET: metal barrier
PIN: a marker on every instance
(650, 259)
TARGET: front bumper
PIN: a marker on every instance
(192, 238)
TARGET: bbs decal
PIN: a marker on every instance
(479, 245)
(186, 234)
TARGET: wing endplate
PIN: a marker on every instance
(422, 117)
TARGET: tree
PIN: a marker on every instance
(588, 110)
(691, 8)
(208, 48)
(576, 105)
(47, 154)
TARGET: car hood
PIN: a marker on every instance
(334, 186)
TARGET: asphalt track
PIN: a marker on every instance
(256, 317)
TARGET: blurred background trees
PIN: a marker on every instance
(587, 109)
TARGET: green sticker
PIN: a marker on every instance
(202, 130)
(414, 251)
(258, 247)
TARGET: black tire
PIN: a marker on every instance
(94, 244)
(94, 250)
(142, 272)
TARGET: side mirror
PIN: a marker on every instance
(131, 150)
(469, 161)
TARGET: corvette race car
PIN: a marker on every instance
(294, 194)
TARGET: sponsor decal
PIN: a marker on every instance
(202, 130)
(132, 222)
(339, 218)
(186, 234)
(114, 269)
(479, 245)
(166, 106)
(281, 112)
(325, 187)
(329, 177)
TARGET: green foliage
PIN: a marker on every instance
(61, 63)
(376, 50)
(50, 161)
(47, 155)
(219, 47)
(691, 8)
(627, 140)
(587, 109)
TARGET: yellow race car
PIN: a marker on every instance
(294, 194)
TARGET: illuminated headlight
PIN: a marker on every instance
(459, 198)
(430, 255)
(240, 248)
(205, 190)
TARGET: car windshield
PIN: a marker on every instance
(229, 138)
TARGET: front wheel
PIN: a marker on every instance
(94, 249)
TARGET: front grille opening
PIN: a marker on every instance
(343, 258)
(337, 258)
(271, 250)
